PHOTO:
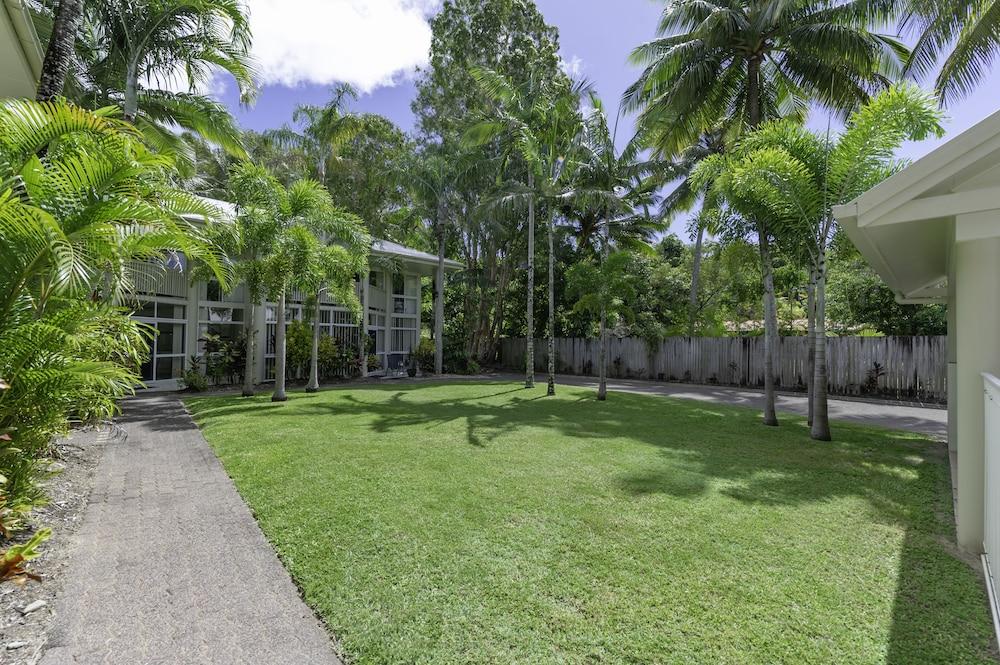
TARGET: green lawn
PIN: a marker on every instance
(486, 523)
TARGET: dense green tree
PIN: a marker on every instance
(511, 38)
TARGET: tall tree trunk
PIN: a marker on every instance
(279, 351)
(811, 344)
(695, 278)
(552, 305)
(770, 326)
(821, 421)
(602, 356)
(251, 332)
(439, 303)
(529, 340)
(131, 108)
(59, 52)
(313, 385)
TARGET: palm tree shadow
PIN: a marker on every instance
(703, 448)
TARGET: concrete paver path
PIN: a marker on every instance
(169, 566)
(924, 420)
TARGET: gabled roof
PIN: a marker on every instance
(389, 248)
(906, 225)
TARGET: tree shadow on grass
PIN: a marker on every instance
(939, 614)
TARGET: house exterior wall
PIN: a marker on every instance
(184, 312)
(977, 349)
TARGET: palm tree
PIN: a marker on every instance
(797, 177)
(117, 216)
(132, 53)
(969, 28)
(684, 197)
(433, 179)
(59, 53)
(332, 252)
(540, 123)
(740, 63)
(614, 185)
(325, 129)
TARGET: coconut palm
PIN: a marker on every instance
(797, 176)
(741, 63)
(539, 123)
(965, 33)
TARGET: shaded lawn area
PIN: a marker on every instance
(486, 523)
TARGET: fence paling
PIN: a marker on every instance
(899, 367)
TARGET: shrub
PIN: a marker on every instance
(193, 379)
(425, 355)
(298, 348)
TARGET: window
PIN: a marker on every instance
(167, 349)
(214, 291)
(373, 279)
(398, 284)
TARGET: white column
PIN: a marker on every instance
(364, 329)
(977, 350)
(952, 358)
(192, 332)
(388, 319)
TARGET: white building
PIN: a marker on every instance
(932, 231)
(21, 54)
(183, 312)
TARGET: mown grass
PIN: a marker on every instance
(486, 523)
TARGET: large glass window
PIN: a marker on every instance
(167, 352)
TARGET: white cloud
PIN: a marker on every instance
(573, 67)
(368, 43)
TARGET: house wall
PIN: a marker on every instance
(183, 313)
(977, 350)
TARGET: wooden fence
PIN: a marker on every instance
(894, 367)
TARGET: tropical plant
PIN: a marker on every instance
(139, 54)
(964, 33)
(323, 131)
(329, 258)
(795, 177)
(740, 63)
(85, 208)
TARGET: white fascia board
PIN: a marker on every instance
(936, 207)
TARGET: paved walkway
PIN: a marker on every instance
(925, 420)
(169, 566)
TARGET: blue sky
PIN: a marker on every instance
(379, 43)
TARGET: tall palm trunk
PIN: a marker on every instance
(131, 107)
(529, 341)
(821, 420)
(695, 278)
(313, 385)
(753, 106)
(811, 344)
(248, 372)
(439, 302)
(552, 305)
(602, 356)
(770, 327)
(279, 352)
(59, 52)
